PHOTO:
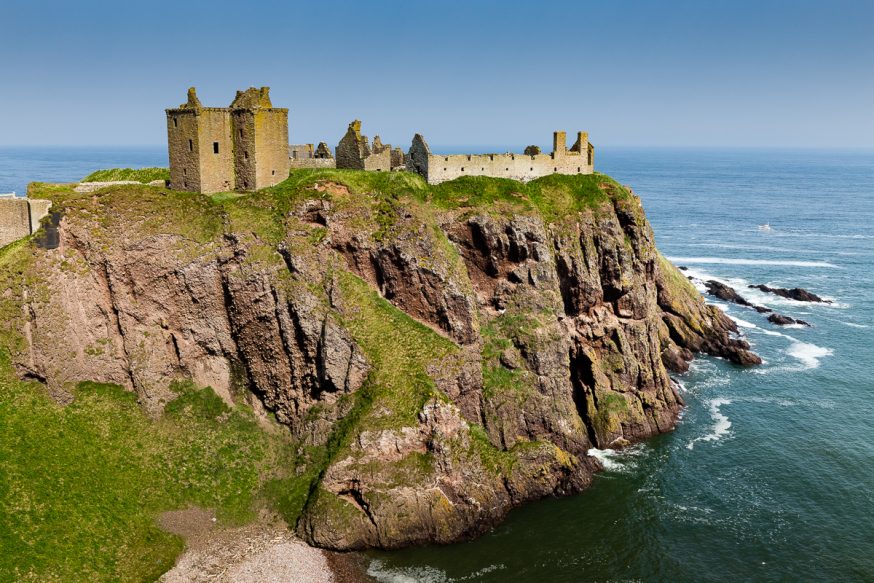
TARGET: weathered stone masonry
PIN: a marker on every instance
(436, 168)
(216, 149)
(355, 152)
(20, 217)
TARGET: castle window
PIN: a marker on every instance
(555, 169)
(532, 169)
(579, 169)
(444, 170)
(507, 169)
(273, 173)
(190, 146)
(446, 159)
(241, 132)
(185, 172)
(215, 147)
(462, 168)
(175, 123)
(482, 169)
(246, 154)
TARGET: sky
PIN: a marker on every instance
(502, 73)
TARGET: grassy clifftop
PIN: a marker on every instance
(82, 484)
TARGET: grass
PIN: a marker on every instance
(399, 349)
(81, 485)
(143, 175)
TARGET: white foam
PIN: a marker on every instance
(607, 458)
(728, 261)
(425, 574)
(853, 325)
(721, 423)
(808, 354)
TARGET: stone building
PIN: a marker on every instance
(307, 156)
(216, 149)
(20, 217)
(437, 168)
(354, 151)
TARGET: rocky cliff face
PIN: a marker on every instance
(441, 354)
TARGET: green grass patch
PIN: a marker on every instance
(143, 175)
(399, 349)
(82, 485)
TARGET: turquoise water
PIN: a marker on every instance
(770, 474)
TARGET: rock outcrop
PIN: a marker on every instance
(438, 360)
(796, 293)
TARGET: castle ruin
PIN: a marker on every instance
(308, 156)
(355, 152)
(437, 168)
(243, 147)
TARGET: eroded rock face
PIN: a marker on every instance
(523, 344)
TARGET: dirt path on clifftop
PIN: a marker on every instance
(265, 551)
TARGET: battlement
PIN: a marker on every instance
(240, 147)
(436, 168)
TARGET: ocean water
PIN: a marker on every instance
(770, 474)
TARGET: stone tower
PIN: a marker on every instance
(217, 149)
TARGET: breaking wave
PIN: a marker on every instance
(425, 574)
(728, 261)
(721, 423)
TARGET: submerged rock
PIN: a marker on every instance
(724, 292)
(796, 293)
(782, 320)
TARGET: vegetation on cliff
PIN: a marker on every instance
(144, 175)
(435, 355)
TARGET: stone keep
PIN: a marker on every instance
(216, 149)
(437, 168)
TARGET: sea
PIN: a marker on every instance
(769, 475)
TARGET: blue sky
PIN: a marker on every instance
(762, 73)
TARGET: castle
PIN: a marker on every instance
(216, 149)
(245, 147)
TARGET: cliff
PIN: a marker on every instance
(439, 354)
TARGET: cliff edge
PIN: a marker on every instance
(440, 354)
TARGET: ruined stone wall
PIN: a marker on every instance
(514, 166)
(301, 151)
(20, 217)
(271, 146)
(353, 148)
(38, 209)
(216, 150)
(312, 163)
(183, 145)
(436, 168)
(378, 161)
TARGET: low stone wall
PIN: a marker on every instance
(312, 163)
(19, 217)
(92, 186)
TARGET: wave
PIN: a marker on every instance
(808, 354)
(721, 423)
(729, 261)
(383, 573)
